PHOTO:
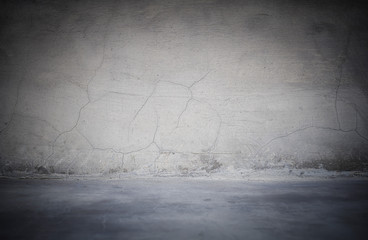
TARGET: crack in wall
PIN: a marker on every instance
(124, 153)
(343, 57)
(38, 119)
(87, 91)
(358, 113)
(143, 105)
(189, 88)
(190, 100)
(303, 129)
(191, 96)
(214, 145)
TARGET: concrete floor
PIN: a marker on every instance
(174, 208)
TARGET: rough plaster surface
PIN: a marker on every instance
(182, 86)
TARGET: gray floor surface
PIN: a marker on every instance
(174, 208)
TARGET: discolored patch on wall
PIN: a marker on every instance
(210, 163)
(322, 27)
(258, 22)
(356, 161)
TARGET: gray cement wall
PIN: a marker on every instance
(179, 87)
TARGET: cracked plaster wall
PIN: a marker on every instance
(182, 86)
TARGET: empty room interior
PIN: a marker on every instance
(183, 119)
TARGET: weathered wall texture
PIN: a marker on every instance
(182, 86)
